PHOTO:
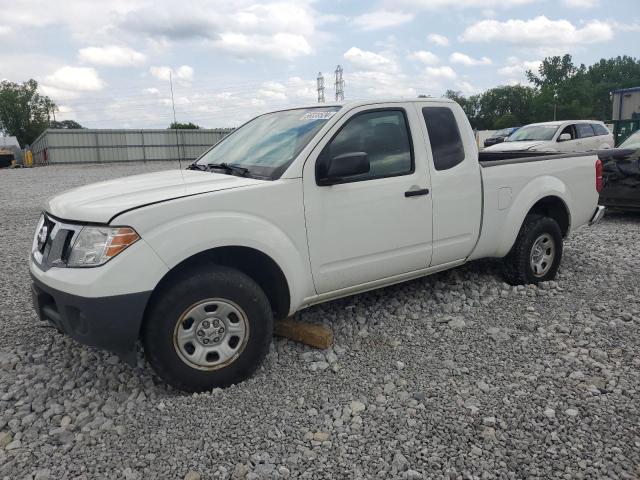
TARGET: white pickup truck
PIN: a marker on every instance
(294, 208)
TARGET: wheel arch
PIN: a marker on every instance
(553, 207)
(546, 195)
(252, 262)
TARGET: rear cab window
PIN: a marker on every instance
(444, 136)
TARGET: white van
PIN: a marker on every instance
(565, 136)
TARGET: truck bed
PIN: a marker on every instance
(510, 191)
(492, 159)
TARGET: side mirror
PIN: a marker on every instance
(341, 167)
(564, 137)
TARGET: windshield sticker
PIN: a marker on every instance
(317, 115)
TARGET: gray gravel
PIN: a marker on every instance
(454, 376)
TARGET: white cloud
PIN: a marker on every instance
(184, 73)
(464, 4)
(82, 20)
(152, 91)
(434, 80)
(280, 45)
(538, 32)
(582, 4)
(625, 27)
(301, 89)
(379, 84)
(466, 60)
(468, 89)
(5, 30)
(425, 57)
(517, 68)
(380, 19)
(437, 39)
(440, 73)
(244, 29)
(84, 79)
(273, 91)
(368, 60)
(111, 56)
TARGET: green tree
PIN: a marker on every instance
(514, 101)
(184, 126)
(565, 90)
(470, 105)
(505, 121)
(554, 72)
(66, 124)
(24, 113)
(608, 75)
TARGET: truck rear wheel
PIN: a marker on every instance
(212, 327)
(536, 254)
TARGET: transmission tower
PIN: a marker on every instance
(339, 84)
(320, 81)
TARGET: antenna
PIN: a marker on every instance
(339, 84)
(320, 82)
(175, 122)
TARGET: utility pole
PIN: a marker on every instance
(320, 83)
(339, 84)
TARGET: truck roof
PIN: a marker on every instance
(361, 103)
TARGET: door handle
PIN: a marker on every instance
(416, 193)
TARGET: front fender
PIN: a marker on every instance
(204, 231)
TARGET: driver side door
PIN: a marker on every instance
(372, 225)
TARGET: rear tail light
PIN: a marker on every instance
(598, 175)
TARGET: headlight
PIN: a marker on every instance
(96, 245)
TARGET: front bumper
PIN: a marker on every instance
(110, 323)
(597, 215)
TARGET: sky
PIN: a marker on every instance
(107, 63)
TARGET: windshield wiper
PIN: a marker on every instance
(229, 167)
(196, 166)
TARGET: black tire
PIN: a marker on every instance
(167, 308)
(517, 264)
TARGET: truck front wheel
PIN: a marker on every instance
(536, 254)
(209, 328)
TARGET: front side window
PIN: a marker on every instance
(444, 136)
(267, 145)
(383, 135)
(584, 130)
(570, 130)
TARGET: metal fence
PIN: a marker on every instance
(104, 146)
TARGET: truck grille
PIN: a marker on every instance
(53, 241)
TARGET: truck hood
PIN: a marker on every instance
(100, 202)
(513, 146)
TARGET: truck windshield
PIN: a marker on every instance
(533, 132)
(267, 145)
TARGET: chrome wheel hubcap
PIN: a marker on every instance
(543, 253)
(211, 334)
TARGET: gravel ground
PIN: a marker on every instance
(453, 376)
